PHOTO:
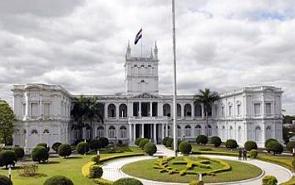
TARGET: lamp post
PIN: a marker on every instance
(9, 171)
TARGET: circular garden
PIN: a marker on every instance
(187, 168)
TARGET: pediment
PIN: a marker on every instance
(145, 95)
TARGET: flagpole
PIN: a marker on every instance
(174, 79)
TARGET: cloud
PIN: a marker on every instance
(81, 44)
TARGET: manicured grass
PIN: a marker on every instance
(144, 169)
(70, 167)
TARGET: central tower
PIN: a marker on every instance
(141, 73)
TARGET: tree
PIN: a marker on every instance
(7, 119)
(207, 98)
(7, 157)
(64, 150)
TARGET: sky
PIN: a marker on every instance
(221, 44)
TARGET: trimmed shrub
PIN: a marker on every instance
(55, 146)
(169, 142)
(64, 150)
(290, 146)
(7, 157)
(150, 148)
(40, 154)
(82, 148)
(216, 141)
(196, 182)
(249, 145)
(44, 145)
(269, 180)
(143, 142)
(103, 141)
(94, 144)
(95, 171)
(96, 159)
(268, 141)
(231, 144)
(20, 152)
(185, 148)
(127, 181)
(275, 147)
(5, 180)
(253, 154)
(137, 141)
(58, 180)
(164, 141)
(202, 139)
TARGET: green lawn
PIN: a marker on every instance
(144, 169)
(70, 167)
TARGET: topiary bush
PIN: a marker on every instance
(127, 181)
(231, 144)
(64, 150)
(7, 157)
(20, 152)
(216, 141)
(94, 144)
(137, 141)
(103, 142)
(95, 171)
(290, 146)
(44, 145)
(196, 182)
(253, 154)
(55, 146)
(185, 148)
(96, 159)
(150, 148)
(82, 148)
(40, 154)
(169, 142)
(143, 142)
(269, 180)
(275, 147)
(5, 180)
(249, 145)
(268, 141)
(202, 139)
(164, 141)
(58, 180)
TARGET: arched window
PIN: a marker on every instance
(209, 130)
(112, 132)
(187, 110)
(268, 133)
(198, 130)
(123, 110)
(209, 109)
(100, 132)
(231, 133)
(198, 110)
(111, 111)
(169, 131)
(239, 134)
(166, 110)
(46, 131)
(187, 130)
(258, 135)
(123, 132)
(34, 131)
(223, 133)
(178, 110)
(178, 131)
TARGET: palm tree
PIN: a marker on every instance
(207, 98)
(86, 109)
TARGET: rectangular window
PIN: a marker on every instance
(239, 109)
(24, 109)
(230, 110)
(222, 111)
(257, 110)
(34, 110)
(46, 110)
(268, 108)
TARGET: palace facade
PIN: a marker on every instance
(43, 111)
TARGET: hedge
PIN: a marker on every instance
(185, 148)
(20, 152)
(82, 148)
(64, 150)
(231, 144)
(143, 142)
(249, 145)
(58, 180)
(150, 148)
(216, 141)
(7, 157)
(127, 181)
(202, 139)
(40, 154)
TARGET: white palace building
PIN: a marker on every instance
(249, 113)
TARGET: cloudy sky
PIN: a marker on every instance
(221, 44)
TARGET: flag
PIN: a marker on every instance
(138, 36)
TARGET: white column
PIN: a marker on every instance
(27, 112)
(106, 110)
(40, 106)
(130, 133)
(166, 126)
(151, 109)
(160, 109)
(163, 131)
(134, 131)
(139, 111)
(193, 110)
(203, 111)
(182, 110)
(117, 111)
(142, 130)
(155, 133)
